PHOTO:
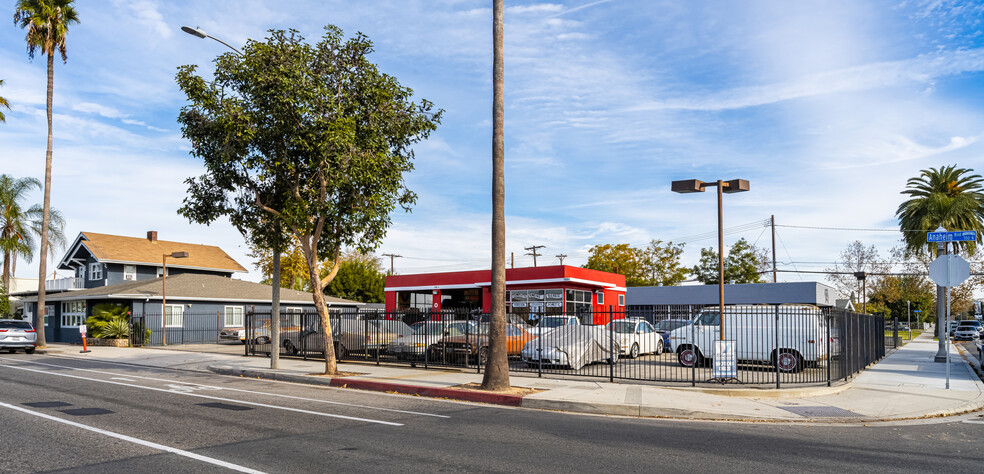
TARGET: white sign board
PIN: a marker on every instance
(82, 330)
(949, 270)
(725, 361)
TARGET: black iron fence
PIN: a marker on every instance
(763, 344)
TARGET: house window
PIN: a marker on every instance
(621, 300)
(233, 316)
(95, 271)
(72, 313)
(80, 272)
(130, 272)
(601, 298)
(49, 311)
(174, 315)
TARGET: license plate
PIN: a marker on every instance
(16, 339)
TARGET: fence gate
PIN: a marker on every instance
(137, 332)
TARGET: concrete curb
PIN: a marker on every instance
(797, 392)
(376, 386)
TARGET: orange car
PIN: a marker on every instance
(477, 344)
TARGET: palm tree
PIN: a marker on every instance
(3, 103)
(47, 24)
(20, 227)
(947, 197)
(497, 369)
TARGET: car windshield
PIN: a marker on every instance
(670, 324)
(969, 324)
(624, 327)
(15, 325)
(553, 322)
(438, 328)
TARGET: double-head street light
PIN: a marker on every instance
(731, 186)
(164, 293)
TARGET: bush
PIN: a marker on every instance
(117, 328)
(109, 321)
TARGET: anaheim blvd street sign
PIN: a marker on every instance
(949, 270)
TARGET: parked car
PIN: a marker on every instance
(952, 327)
(549, 323)
(663, 327)
(636, 337)
(349, 335)
(797, 339)
(572, 346)
(967, 330)
(17, 334)
(425, 334)
(476, 344)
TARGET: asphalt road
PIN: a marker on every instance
(65, 414)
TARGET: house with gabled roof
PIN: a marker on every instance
(201, 300)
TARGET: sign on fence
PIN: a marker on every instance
(725, 361)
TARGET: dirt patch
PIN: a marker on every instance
(522, 391)
(338, 374)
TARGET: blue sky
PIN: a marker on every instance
(825, 107)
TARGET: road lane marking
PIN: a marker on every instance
(191, 394)
(149, 444)
(392, 410)
(123, 379)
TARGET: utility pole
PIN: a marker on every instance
(532, 250)
(512, 259)
(392, 256)
(561, 257)
(773, 221)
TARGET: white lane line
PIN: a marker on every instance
(149, 444)
(392, 410)
(191, 394)
(123, 379)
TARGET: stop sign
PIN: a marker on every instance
(949, 270)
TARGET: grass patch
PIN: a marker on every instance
(905, 336)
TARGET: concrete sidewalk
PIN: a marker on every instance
(904, 385)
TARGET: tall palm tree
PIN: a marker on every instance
(3, 103)
(497, 369)
(20, 227)
(47, 24)
(947, 197)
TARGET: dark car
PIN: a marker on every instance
(16, 334)
(664, 327)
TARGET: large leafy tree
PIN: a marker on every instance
(293, 267)
(948, 197)
(46, 22)
(853, 259)
(4, 104)
(360, 278)
(744, 264)
(619, 258)
(21, 225)
(313, 136)
(661, 263)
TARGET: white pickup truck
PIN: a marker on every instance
(790, 336)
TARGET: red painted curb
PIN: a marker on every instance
(455, 394)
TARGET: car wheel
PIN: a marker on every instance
(263, 340)
(483, 356)
(29, 350)
(289, 348)
(690, 356)
(789, 361)
(11, 351)
(634, 351)
(659, 347)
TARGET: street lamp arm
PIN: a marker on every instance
(201, 34)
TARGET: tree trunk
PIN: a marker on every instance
(275, 311)
(310, 255)
(497, 371)
(6, 272)
(45, 216)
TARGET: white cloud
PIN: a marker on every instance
(145, 13)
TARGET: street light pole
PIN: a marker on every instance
(164, 292)
(731, 186)
(201, 34)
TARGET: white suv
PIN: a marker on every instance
(17, 334)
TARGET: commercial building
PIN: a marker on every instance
(533, 291)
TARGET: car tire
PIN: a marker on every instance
(483, 356)
(788, 361)
(690, 357)
(29, 350)
(289, 348)
(659, 347)
(342, 352)
(634, 351)
(263, 340)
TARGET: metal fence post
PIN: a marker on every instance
(611, 352)
(777, 344)
(830, 357)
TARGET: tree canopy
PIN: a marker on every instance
(743, 264)
(312, 136)
(656, 265)
(947, 197)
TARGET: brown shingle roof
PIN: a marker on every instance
(117, 248)
(194, 286)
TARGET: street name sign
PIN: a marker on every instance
(949, 270)
(958, 236)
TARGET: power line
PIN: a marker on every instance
(851, 228)
(561, 257)
(532, 250)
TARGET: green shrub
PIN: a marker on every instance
(118, 328)
(109, 321)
